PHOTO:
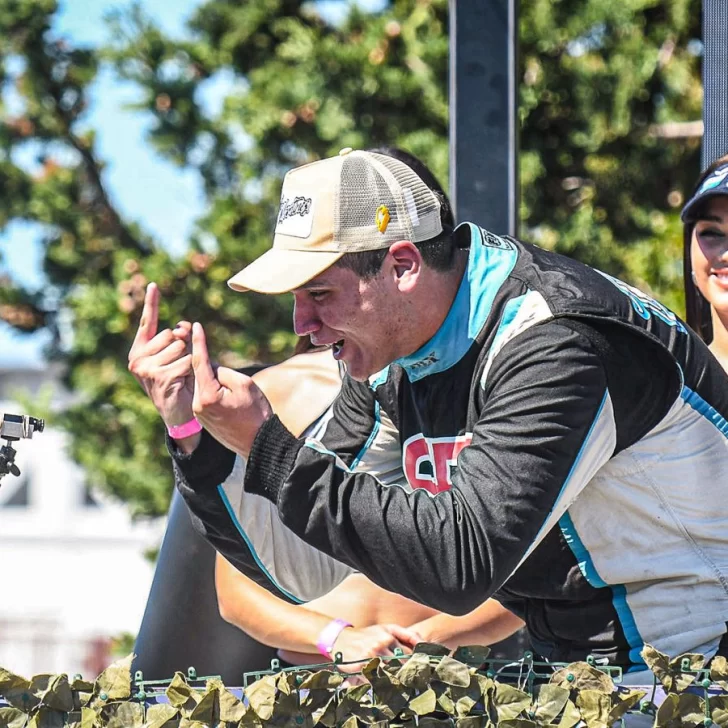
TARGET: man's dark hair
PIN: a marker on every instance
(437, 253)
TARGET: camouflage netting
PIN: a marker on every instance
(430, 688)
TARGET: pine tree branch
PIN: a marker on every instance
(91, 166)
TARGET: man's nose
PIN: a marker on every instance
(305, 322)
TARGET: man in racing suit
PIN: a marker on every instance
(561, 439)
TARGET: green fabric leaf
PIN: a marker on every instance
(464, 705)
(719, 710)
(429, 722)
(667, 715)
(549, 701)
(388, 691)
(78, 683)
(322, 679)
(286, 682)
(188, 723)
(261, 695)
(181, 695)
(472, 721)
(467, 697)
(46, 718)
(16, 691)
(719, 671)
(570, 717)
(444, 699)
(424, 703)
(326, 715)
(471, 655)
(452, 672)
(206, 710)
(416, 672)
(431, 648)
(517, 723)
(583, 677)
(88, 718)
(509, 701)
(669, 671)
(250, 720)
(82, 691)
(160, 714)
(623, 701)
(12, 718)
(691, 708)
(115, 680)
(232, 709)
(53, 691)
(595, 708)
(122, 715)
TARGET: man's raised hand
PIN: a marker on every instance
(161, 363)
(230, 406)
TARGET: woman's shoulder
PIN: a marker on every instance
(301, 388)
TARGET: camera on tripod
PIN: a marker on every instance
(13, 428)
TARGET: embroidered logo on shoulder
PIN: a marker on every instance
(431, 358)
(645, 305)
(295, 216)
(494, 241)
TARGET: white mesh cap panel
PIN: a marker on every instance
(370, 180)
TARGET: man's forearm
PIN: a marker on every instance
(264, 616)
(489, 623)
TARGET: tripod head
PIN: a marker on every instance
(13, 428)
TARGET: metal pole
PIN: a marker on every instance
(483, 108)
(715, 80)
(484, 137)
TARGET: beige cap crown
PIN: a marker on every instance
(350, 203)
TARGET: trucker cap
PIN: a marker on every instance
(350, 203)
(715, 184)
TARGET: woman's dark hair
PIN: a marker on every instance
(437, 253)
(697, 308)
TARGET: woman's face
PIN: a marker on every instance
(709, 253)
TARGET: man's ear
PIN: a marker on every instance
(406, 264)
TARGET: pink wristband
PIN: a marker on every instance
(327, 636)
(179, 432)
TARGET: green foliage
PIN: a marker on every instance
(600, 85)
(428, 688)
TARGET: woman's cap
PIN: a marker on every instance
(714, 184)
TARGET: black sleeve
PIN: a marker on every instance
(546, 427)
(197, 476)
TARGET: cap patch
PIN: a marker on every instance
(295, 216)
(382, 218)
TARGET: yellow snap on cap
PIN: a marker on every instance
(382, 218)
(345, 150)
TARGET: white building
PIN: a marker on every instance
(72, 570)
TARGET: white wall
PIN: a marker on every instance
(72, 575)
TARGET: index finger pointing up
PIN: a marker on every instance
(150, 316)
(200, 357)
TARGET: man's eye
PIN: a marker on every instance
(318, 295)
(712, 233)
